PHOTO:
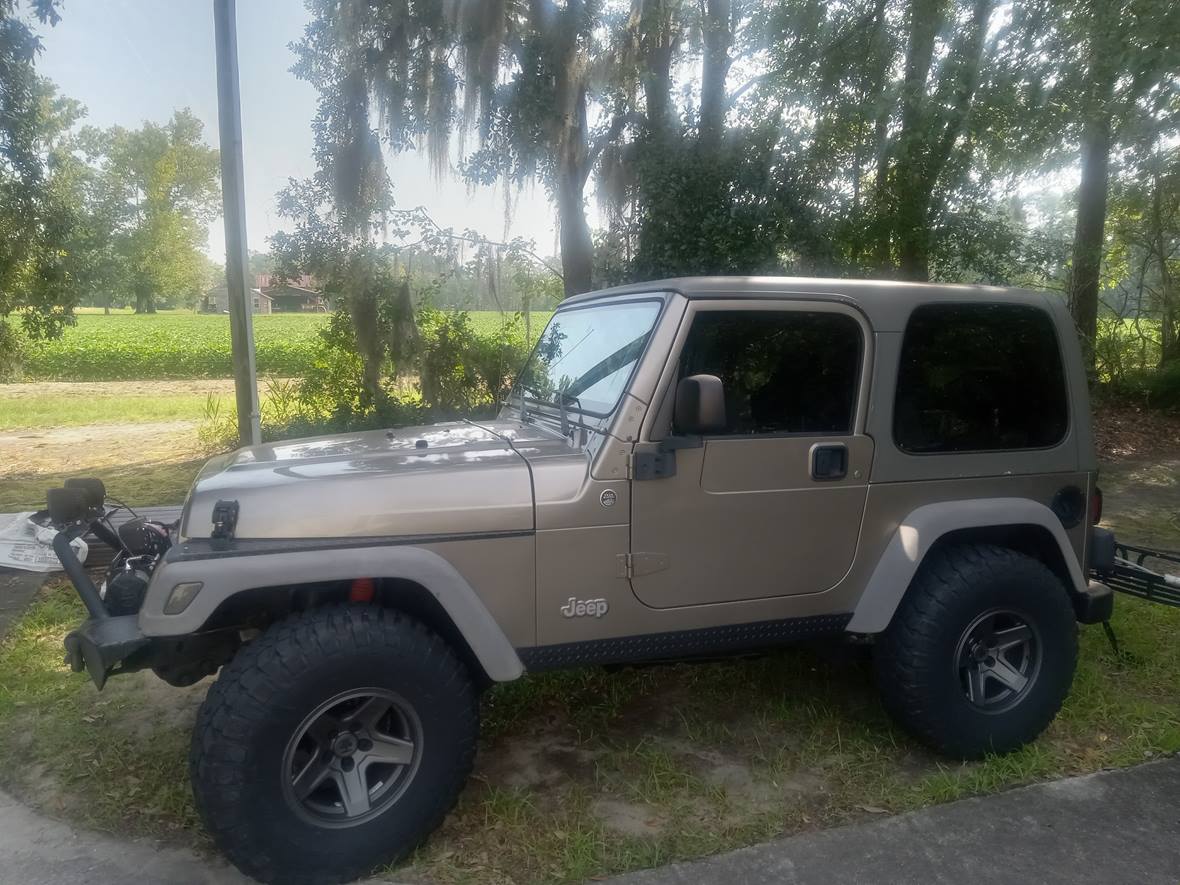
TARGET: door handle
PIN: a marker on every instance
(829, 461)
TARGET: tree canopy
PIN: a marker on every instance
(37, 216)
(150, 194)
(891, 138)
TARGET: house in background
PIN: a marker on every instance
(300, 295)
(216, 300)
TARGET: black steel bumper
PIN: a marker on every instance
(100, 645)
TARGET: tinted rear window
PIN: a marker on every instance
(979, 377)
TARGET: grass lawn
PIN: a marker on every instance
(50, 411)
(587, 773)
(140, 485)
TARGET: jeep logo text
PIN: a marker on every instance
(577, 608)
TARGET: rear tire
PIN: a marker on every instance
(981, 652)
(336, 742)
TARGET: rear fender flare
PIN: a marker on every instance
(222, 577)
(919, 531)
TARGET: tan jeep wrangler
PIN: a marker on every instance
(686, 468)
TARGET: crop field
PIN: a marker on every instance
(129, 347)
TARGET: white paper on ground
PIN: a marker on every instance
(28, 546)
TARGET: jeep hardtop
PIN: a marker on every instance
(685, 468)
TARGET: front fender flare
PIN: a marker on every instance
(222, 577)
(919, 531)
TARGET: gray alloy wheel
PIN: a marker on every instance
(352, 757)
(998, 660)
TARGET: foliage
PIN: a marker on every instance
(90, 210)
(219, 427)
(464, 371)
(523, 75)
(37, 213)
(373, 296)
(151, 192)
(769, 228)
(467, 365)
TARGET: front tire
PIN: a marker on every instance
(334, 743)
(980, 654)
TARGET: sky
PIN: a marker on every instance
(135, 60)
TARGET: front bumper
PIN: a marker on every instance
(100, 645)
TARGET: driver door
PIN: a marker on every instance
(770, 505)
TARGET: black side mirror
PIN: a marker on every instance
(700, 406)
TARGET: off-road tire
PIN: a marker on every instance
(915, 658)
(236, 761)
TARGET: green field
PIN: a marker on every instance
(126, 346)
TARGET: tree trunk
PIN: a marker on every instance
(364, 312)
(577, 245)
(714, 71)
(144, 302)
(1169, 345)
(899, 171)
(658, 32)
(1087, 244)
(1106, 41)
(572, 160)
(932, 126)
(910, 176)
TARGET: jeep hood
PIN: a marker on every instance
(455, 478)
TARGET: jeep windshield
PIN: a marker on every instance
(585, 356)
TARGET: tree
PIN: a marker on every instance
(355, 274)
(1124, 73)
(36, 215)
(523, 75)
(849, 144)
(156, 189)
(1142, 259)
(261, 263)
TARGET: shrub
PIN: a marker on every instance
(465, 369)
(1155, 388)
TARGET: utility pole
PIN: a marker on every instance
(233, 201)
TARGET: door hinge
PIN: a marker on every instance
(660, 462)
(651, 465)
(632, 565)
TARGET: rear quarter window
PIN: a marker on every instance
(979, 377)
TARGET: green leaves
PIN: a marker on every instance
(37, 215)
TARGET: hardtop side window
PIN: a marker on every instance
(979, 377)
(784, 371)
